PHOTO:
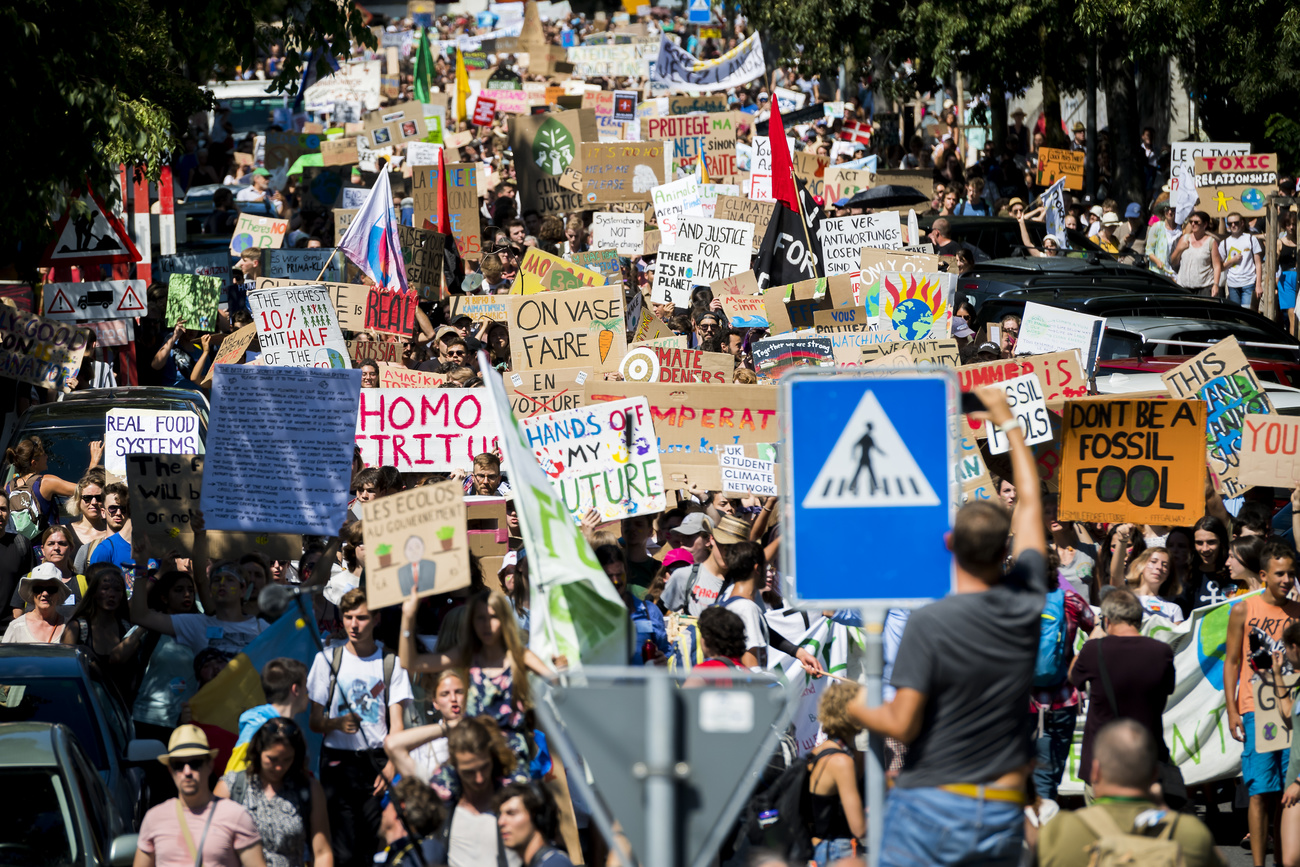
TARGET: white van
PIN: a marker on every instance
(251, 107)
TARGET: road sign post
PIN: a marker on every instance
(875, 452)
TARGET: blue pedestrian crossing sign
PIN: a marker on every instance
(698, 12)
(870, 485)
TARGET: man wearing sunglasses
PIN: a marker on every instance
(115, 548)
(708, 329)
(1242, 258)
(194, 827)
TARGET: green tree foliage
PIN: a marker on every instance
(96, 83)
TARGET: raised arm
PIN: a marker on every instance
(199, 563)
(143, 615)
(1027, 519)
(160, 357)
(398, 745)
(412, 659)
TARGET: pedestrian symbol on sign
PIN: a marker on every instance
(851, 477)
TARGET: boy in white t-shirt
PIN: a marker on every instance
(1242, 258)
(356, 710)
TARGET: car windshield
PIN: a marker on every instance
(36, 823)
(54, 700)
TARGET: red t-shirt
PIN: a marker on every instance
(719, 663)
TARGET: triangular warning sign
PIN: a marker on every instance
(870, 465)
(699, 5)
(98, 238)
(131, 302)
(60, 303)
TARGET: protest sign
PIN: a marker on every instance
(1056, 163)
(874, 263)
(774, 356)
(1025, 397)
(391, 310)
(672, 341)
(342, 219)
(604, 261)
(296, 327)
(1240, 183)
(851, 331)
(397, 376)
(281, 148)
(916, 306)
(462, 208)
(1059, 377)
(675, 364)
(718, 248)
(205, 264)
(193, 300)
(681, 72)
(164, 499)
(319, 187)
(744, 311)
(350, 299)
(479, 307)
(1269, 450)
(578, 328)
(624, 233)
(1222, 377)
(485, 107)
(600, 457)
(415, 540)
(673, 202)
(1272, 727)
(280, 444)
(743, 475)
(339, 151)
(840, 183)
(1052, 329)
(424, 430)
(422, 253)
(233, 350)
(625, 105)
(791, 307)
(544, 391)
(358, 81)
(383, 351)
(254, 231)
(1133, 459)
(650, 327)
(843, 238)
(621, 172)
(709, 194)
(673, 279)
(97, 299)
(542, 272)
(976, 483)
(693, 422)
(393, 125)
(906, 353)
(747, 211)
(148, 432)
(695, 104)
(742, 283)
(710, 137)
(612, 61)
(544, 146)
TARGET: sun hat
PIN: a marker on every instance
(1110, 218)
(1016, 200)
(187, 741)
(42, 573)
(1095, 210)
(731, 530)
(1079, 127)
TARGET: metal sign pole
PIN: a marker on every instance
(873, 622)
(660, 784)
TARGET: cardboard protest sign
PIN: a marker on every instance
(544, 146)
(302, 265)
(742, 474)
(1223, 378)
(395, 124)
(693, 422)
(976, 483)
(342, 219)
(542, 272)
(624, 233)
(545, 391)
(254, 231)
(875, 263)
(852, 333)
(600, 457)
(708, 102)
(1133, 459)
(744, 311)
(1028, 405)
(840, 183)
(719, 248)
(339, 151)
(747, 211)
(280, 449)
(650, 327)
(148, 432)
(908, 353)
(621, 172)
(391, 311)
(397, 376)
(97, 299)
(774, 356)
(350, 299)
(415, 540)
(164, 497)
(462, 207)
(675, 364)
(791, 307)
(1272, 729)
(422, 252)
(578, 328)
(1235, 183)
(296, 327)
(479, 307)
(1268, 451)
(842, 239)
(673, 202)
(424, 430)
(711, 137)
(741, 283)
(606, 261)
(285, 147)
(383, 351)
(232, 350)
(1052, 329)
(1057, 163)
(917, 306)
(1059, 379)
(193, 300)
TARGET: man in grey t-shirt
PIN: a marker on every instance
(962, 677)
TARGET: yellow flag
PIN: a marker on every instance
(704, 171)
(462, 86)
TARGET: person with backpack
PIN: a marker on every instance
(357, 691)
(16, 560)
(32, 490)
(1123, 825)
(287, 805)
(835, 818)
(722, 641)
(1054, 701)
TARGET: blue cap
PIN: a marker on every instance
(842, 202)
(1133, 211)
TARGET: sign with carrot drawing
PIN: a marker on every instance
(575, 328)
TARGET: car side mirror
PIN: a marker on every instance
(141, 751)
(121, 853)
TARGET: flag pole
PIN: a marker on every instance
(333, 251)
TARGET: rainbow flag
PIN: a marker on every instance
(239, 685)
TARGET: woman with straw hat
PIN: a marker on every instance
(44, 590)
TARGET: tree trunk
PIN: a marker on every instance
(1128, 164)
(1053, 137)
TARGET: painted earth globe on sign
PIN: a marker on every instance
(912, 318)
(1252, 198)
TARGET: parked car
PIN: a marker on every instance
(69, 426)
(999, 237)
(1075, 277)
(55, 683)
(57, 812)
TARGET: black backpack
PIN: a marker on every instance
(779, 817)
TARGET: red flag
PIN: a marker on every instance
(783, 189)
(444, 219)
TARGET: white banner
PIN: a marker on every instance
(679, 71)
